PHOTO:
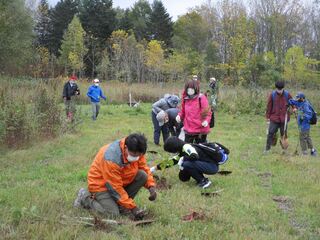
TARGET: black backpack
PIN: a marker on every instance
(314, 118)
(212, 150)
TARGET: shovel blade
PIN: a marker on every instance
(284, 143)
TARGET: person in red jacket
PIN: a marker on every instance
(277, 107)
(116, 175)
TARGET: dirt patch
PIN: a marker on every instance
(265, 179)
(161, 183)
(284, 203)
(224, 172)
(194, 216)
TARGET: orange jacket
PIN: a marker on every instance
(111, 171)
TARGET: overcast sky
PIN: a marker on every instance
(174, 7)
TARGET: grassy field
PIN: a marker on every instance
(39, 185)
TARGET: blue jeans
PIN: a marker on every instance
(196, 169)
(157, 130)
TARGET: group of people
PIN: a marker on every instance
(94, 93)
(120, 169)
(278, 116)
(195, 114)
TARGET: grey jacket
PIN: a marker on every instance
(168, 101)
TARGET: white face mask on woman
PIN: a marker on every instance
(190, 91)
(132, 158)
(96, 84)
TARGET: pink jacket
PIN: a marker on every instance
(193, 112)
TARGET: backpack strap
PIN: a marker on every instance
(273, 96)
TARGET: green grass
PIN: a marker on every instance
(38, 185)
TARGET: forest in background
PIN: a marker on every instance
(250, 44)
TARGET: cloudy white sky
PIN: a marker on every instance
(174, 7)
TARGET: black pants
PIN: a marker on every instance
(157, 130)
(195, 138)
(273, 129)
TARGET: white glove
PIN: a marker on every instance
(204, 124)
(178, 119)
(180, 162)
(153, 169)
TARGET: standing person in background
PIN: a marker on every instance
(195, 114)
(70, 89)
(168, 101)
(276, 113)
(212, 94)
(95, 93)
(304, 116)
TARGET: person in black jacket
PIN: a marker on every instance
(195, 160)
(70, 89)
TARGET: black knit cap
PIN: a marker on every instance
(173, 145)
(279, 85)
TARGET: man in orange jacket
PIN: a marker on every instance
(116, 175)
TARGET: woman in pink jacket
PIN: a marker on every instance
(195, 114)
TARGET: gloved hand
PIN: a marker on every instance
(153, 169)
(137, 213)
(153, 194)
(204, 123)
(178, 119)
(180, 163)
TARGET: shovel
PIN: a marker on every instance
(284, 139)
(296, 152)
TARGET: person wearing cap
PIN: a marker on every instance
(70, 89)
(303, 119)
(117, 174)
(276, 112)
(95, 93)
(168, 117)
(168, 101)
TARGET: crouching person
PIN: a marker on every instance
(195, 160)
(116, 175)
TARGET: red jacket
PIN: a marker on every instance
(111, 171)
(276, 109)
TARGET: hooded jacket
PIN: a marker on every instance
(168, 101)
(304, 114)
(193, 112)
(111, 171)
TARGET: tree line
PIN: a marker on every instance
(251, 43)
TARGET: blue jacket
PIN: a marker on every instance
(304, 113)
(94, 93)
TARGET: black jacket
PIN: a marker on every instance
(69, 91)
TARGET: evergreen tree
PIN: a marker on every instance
(42, 27)
(124, 21)
(161, 26)
(140, 19)
(61, 15)
(72, 48)
(98, 18)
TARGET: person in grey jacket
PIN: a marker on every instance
(168, 101)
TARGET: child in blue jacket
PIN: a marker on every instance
(95, 93)
(303, 119)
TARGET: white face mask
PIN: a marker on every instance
(190, 91)
(72, 82)
(132, 158)
(96, 84)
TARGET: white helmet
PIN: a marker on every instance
(96, 80)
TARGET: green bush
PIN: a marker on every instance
(47, 112)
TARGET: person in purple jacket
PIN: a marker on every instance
(95, 93)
